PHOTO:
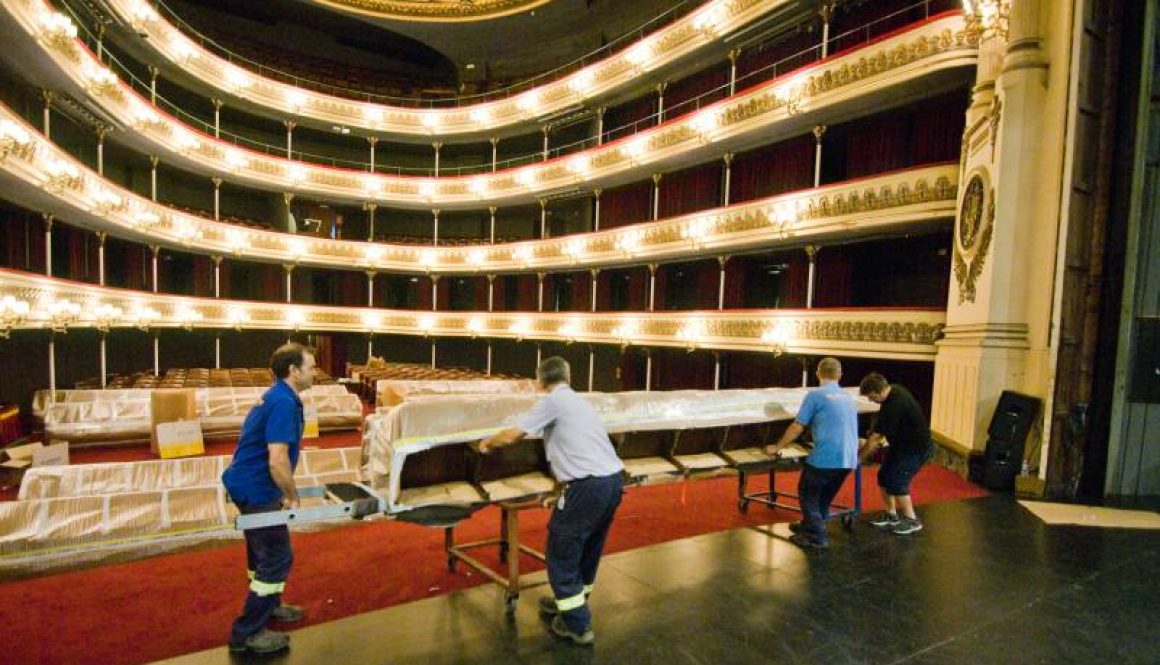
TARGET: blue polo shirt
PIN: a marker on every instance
(276, 418)
(830, 414)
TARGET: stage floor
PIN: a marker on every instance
(985, 582)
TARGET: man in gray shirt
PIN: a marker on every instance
(584, 462)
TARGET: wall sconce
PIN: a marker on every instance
(61, 313)
(105, 316)
(295, 318)
(187, 317)
(235, 159)
(520, 329)
(144, 318)
(626, 332)
(476, 258)
(58, 29)
(692, 333)
(628, 242)
(236, 317)
(107, 202)
(13, 312)
(569, 331)
(523, 254)
(777, 339)
(237, 241)
(575, 250)
(696, 231)
(988, 18)
(474, 325)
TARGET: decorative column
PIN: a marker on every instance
(494, 153)
(543, 219)
(47, 96)
(373, 141)
(652, 286)
(102, 236)
(104, 356)
(217, 294)
(733, 55)
(539, 354)
(491, 293)
(433, 353)
(489, 357)
(596, 208)
(437, 145)
(101, 131)
(811, 276)
(435, 216)
(716, 370)
(660, 88)
(101, 58)
(52, 364)
(819, 132)
(591, 366)
(1009, 236)
(721, 261)
(156, 352)
(434, 293)
(727, 178)
(48, 219)
(600, 125)
(546, 129)
(289, 268)
(370, 207)
(539, 294)
(155, 250)
(154, 160)
(217, 116)
(647, 370)
(595, 276)
(289, 125)
(656, 199)
(827, 14)
(491, 223)
(217, 197)
(371, 274)
(153, 72)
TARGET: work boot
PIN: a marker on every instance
(885, 520)
(796, 527)
(807, 543)
(263, 642)
(561, 629)
(548, 606)
(287, 613)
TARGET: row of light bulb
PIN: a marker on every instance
(580, 85)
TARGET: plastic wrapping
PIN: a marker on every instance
(94, 479)
(422, 423)
(124, 415)
(392, 392)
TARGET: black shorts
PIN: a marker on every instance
(898, 470)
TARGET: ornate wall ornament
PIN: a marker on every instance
(676, 135)
(973, 235)
(993, 118)
(607, 158)
(434, 10)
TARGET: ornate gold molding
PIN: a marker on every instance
(434, 10)
(973, 236)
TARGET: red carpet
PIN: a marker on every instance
(170, 605)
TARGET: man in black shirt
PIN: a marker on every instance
(901, 427)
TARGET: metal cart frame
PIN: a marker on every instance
(775, 499)
(510, 549)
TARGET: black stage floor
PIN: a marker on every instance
(985, 582)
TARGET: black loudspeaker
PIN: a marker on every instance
(1010, 424)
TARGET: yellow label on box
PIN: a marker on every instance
(310, 428)
(180, 439)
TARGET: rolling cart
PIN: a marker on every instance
(775, 499)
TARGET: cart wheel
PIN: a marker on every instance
(451, 564)
(509, 602)
(743, 505)
(848, 522)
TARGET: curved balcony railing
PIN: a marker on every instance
(668, 16)
(700, 27)
(863, 34)
(871, 74)
(34, 302)
(45, 177)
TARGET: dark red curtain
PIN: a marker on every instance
(776, 57)
(772, 170)
(527, 290)
(795, 281)
(136, 266)
(273, 283)
(735, 273)
(202, 276)
(832, 288)
(498, 294)
(352, 289)
(681, 96)
(677, 369)
(937, 129)
(75, 243)
(877, 145)
(690, 190)
(581, 292)
(630, 117)
(626, 205)
(708, 282)
(479, 294)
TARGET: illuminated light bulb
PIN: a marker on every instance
(297, 248)
(627, 331)
(142, 12)
(427, 189)
(427, 323)
(569, 330)
(523, 253)
(236, 78)
(372, 184)
(575, 249)
(636, 148)
(295, 318)
(478, 186)
(236, 240)
(475, 257)
(526, 177)
(428, 258)
(296, 99)
(185, 140)
(236, 316)
(474, 325)
(579, 165)
(429, 120)
(628, 242)
(235, 159)
(373, 114)
(639, 54)
(183, 49)
(529, 101)
(13, 132)
(57, 168)
(59, 25)
(480, 115)
(710, 19)
(371, 320)
(520, 327)
(373, 254)
(582, 81)
(705, 121)
(296, 173)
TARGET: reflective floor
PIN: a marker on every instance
(985, 582)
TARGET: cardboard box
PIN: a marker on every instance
(168, 406)
(181, 438)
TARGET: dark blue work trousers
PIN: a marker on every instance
(269, 558)
(816, 490)
(576, 535)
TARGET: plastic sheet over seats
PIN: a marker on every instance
(124, 415)
(392, 392)
(425, 423)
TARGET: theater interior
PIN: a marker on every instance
(692, 202)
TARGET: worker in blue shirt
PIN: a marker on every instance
(261, 479)
(584, 462)
(830, 414)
